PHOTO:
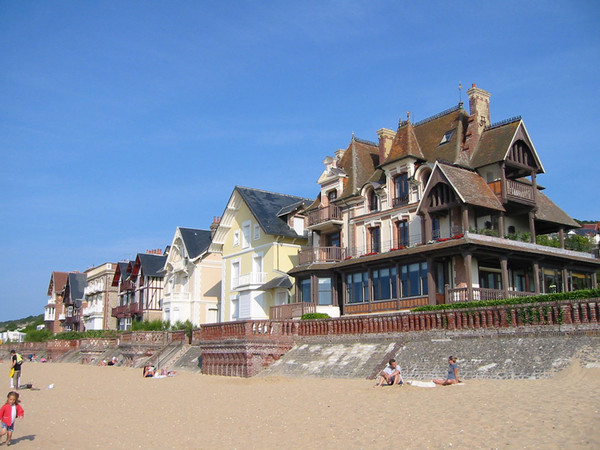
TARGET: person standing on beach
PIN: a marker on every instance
(391, 374)
(452, 377)
(16, 360)
(8, 414)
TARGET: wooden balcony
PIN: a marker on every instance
(291, 310)
(309, 255)
(515, 191)
(127, 310)
(324, 218)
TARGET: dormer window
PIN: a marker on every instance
(401, 189)
(331, 196)
(373, 201)
(446, 137)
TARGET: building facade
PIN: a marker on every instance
(446, 209)
(54, 309)
(139, 284)
(73, 302)
(258, 236)
(192, 278)
(100, 297)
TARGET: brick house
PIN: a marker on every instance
(445, 209)
(54, 306)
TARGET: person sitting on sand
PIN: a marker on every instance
(112, 362)
(149, 371)
(391, 374)
(452, 377)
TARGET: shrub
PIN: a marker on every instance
(154, 325)
(38, 335)
(586, 293)
(312, 316)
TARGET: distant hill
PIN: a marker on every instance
(11, 325)
(587, 221)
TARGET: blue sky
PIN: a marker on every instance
(123, 120)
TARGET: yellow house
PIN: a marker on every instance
(259, 236)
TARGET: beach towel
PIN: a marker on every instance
(423, 384)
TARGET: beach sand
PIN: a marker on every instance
(100, 407)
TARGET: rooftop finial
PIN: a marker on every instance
(408, 116)
(460, 102)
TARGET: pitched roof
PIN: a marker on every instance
(196, 241)
(57, 282)
(265, 207)
(405, 144)
(548, 211)
(149, 264)
(76, 282)
(429, 134)
(494, 144)
(470, 187)
(359, 162)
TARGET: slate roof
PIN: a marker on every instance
(278, 282)
(472, 189)
(77, 283)
(494, 144)
(405, 143)
(150, 265)
(548, 211)
(196, 241)
(265, 206)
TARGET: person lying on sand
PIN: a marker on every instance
(391, 374)
(149, 371)
(452, 377)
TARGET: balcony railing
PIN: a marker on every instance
(462, 295)
(326, 214)
(291, 310)
(249, 279)
(177, 297)
(127, 310)
(515, 190)
(95, 309)
(309, 255)
(400, 200)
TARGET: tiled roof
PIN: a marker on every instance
(548, 211)
(266, 205)
(359, 162)
(404, 144)
(472, 189)
(196, 241)
(57, 282)
(429, 134)
(494, 144)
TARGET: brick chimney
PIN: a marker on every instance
(386, 137)
(214, 225)
(479, 110)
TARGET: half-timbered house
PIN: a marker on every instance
(445, 209)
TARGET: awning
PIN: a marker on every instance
(278, 282)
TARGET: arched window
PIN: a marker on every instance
(373, 201)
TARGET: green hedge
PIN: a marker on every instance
(587, 293)
(312, 316)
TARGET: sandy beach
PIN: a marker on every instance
(100, 407)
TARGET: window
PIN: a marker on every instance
(384, 283)
(256, 231)
(331, 195)
(235, 274)
(402, 233)
(236, 238)
(446, 137)
(373, 201)
(246, 234)
(401, 190)
(299, 225)
(257, 263)
(435, 228)
(324, 291)
(375, 239)
(357, 286)
(305, 290)
(490, 280)
(413, 280)
(235, 307)
(332, 240)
